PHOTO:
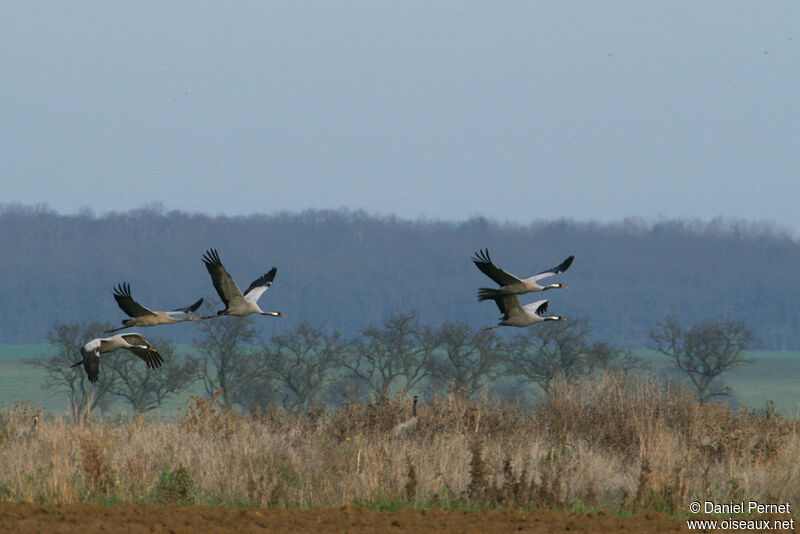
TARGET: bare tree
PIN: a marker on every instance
(299, 362)
(467, 359)
(229, 356)
(146, 389)
(601, 355)
(68, 338)
(705, 350)
(395, 354)
(562, 350)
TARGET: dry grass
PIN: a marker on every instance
(611, 443)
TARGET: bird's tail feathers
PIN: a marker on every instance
(486, 293)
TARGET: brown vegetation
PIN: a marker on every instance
(611, 443)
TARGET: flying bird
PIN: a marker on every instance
(235, 302)
(510, 284)
(131, 341)
(514, 314)
(142, 316)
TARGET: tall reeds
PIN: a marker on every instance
(615, 443)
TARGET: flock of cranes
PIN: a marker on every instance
(235, 302)
(242, 304)
(515, 314)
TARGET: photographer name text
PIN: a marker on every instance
(741, 507)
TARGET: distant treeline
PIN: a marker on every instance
(345, 270)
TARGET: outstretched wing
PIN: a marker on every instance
(223, 282)
(122, 294)
(142, 348)
(483, 262)
(150, 356)
(91, 364)
(187, 309)
(260, 285)
(558, 269)
(539, 307)
(133, 338)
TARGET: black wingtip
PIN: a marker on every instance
(482, 256)
(196, 305)
(122, 290)
(210, 256)
(486, 293)
(155, 360)
(191, 308)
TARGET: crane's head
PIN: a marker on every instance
(556, 286)
(90, 347)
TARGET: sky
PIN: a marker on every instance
(514, 111)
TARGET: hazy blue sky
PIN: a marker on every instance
(515, 111)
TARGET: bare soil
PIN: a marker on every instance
(24, 518)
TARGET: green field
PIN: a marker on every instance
(22, 382)
(774, 376)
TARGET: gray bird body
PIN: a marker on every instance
(511, 284)
(514, 314)
(236, 302)
(28, 431)
(141, 316)
(408, 425)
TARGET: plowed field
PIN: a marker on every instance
(23, 518)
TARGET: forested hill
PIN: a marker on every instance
(345, 270)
